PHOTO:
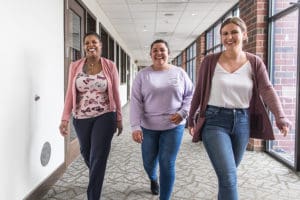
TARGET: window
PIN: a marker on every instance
(280, 5)
(191, 61)
(213, 38)
(123, 66)
(108, 44)
(177, 61)
(104, 39)
(111, 48)
(90, 23)
(118, 56)
(284, 72)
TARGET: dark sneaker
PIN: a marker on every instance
(154, 187)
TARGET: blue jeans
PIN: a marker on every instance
(225, 136)
(162, 147)
(94, 136)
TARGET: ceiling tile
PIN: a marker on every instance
(180, 22)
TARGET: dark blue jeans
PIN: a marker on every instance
(95, 135)
(225, 136)
(162, 147)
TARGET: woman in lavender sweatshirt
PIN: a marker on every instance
(160, 101)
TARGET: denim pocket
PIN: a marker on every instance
(211, 113)
(243, 117)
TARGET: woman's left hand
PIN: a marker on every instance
(176, 118)
(283, 124)
(284, 130)
(119, 127)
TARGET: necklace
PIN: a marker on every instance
(92, 68)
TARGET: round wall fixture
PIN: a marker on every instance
(46, 153)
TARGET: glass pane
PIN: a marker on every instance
(284, 69)
(179, 61)
(104, 39)
(217, 37)
(218, 49)
(74, 42)
(90, 24)
(111, 49)
(209, 39)
(194, 71)
(194, 50)
(279, 5)
(74, 46)
(236, 12)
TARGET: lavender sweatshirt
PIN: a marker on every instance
(156, 95)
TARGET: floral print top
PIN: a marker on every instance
(92, 99)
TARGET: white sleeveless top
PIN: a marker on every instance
(231, 90)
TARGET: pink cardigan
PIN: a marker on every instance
(111, 73)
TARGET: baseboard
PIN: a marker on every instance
(43, 188)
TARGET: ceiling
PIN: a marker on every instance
(179, 22)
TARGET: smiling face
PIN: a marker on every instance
(233, 32)
(232, 37)
(92, 46)
(159, 54)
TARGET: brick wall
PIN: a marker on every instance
(255, 14)
(200, 45)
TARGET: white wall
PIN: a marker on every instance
(31, 52)
(32, 55)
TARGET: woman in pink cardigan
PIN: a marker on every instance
(231, 93)
(93, 99)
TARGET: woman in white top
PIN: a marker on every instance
(229, 92)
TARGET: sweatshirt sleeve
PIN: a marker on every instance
(136, 104)
(187, 96)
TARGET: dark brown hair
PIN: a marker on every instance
(161, 41)
(94, 34)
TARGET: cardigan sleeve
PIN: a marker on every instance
(69, 96)
(269, 95)
(196, 100)
(116, 92)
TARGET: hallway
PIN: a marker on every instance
(260, 177)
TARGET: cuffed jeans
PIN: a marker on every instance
(94, 136)
(225, 136)
(162, 147)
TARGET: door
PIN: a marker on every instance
(74, 32)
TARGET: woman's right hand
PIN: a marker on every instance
(137, 136)
(191, 130)
(63, 128)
